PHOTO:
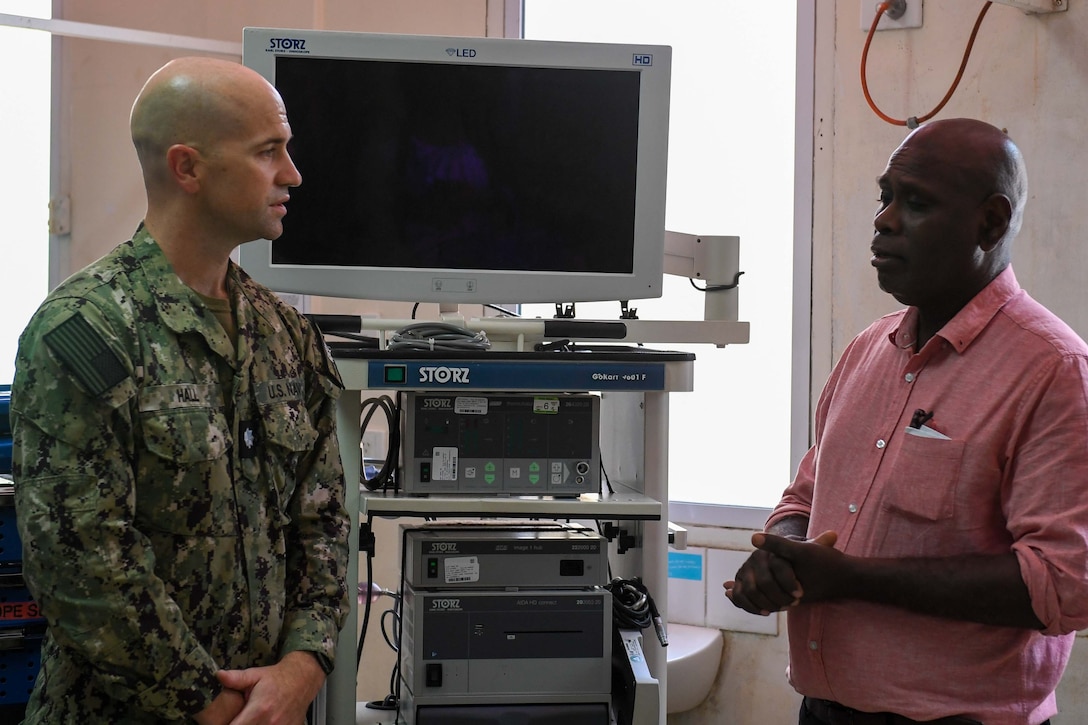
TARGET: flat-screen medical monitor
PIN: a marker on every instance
(467, 170)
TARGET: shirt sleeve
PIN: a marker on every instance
(797, 498)
(86, 564)
(317, 550)
(1045, 500)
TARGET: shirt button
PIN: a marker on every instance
(909, 377)
(880, 443)
(813, 645)
(853, 508)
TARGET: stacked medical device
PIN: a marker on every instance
(502, 443)
(505, 620)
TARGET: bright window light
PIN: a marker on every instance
(731, 166)
(24, 187)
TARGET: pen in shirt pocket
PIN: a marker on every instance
(919, 428)
(920, 418)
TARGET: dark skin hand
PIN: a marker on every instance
(768, 583)
(787, 570)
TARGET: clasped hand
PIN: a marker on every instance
(276, 695)
(783, 572)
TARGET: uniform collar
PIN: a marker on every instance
(253, 303)
(181, 308)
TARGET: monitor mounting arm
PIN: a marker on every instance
(713, 259)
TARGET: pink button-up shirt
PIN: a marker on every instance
(1005, 468)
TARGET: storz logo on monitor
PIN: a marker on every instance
(286, 45)
(642, 59)
(461, 52)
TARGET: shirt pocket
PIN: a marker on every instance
(184, 480)
(288, 435)
(926, 474)
(186, 436)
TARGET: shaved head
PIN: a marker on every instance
(196, 102)
(212, 136)
(981, 157)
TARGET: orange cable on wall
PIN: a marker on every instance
(914, 121)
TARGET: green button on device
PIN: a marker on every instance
(396, 374)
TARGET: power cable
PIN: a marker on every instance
(386, 477)
(633, 607)
(438, 336)
(915, 121)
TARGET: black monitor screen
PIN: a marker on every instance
(453, 166)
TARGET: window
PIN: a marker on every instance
(25, 118)
(731, 172)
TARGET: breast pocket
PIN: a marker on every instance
(185, 436)
(288, 435)
(186, 470)
(926, 475)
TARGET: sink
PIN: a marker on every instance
(693, 657)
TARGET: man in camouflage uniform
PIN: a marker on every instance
(179, 490)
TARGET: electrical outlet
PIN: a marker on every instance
(911, 18)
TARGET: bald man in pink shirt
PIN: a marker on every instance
(932, 551)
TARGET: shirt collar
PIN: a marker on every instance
(177, 302)
(252, 303)
(962, 329)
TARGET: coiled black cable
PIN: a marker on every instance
(386, 477)
(633, 607)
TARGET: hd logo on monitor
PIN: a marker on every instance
(642, 59)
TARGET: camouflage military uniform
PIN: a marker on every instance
(180, 501)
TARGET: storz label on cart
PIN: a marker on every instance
(444, 375)
(513, 376)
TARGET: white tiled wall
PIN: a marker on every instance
(722, 565)
(696, 597)
(687, 597)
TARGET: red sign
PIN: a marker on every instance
(19, 610)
